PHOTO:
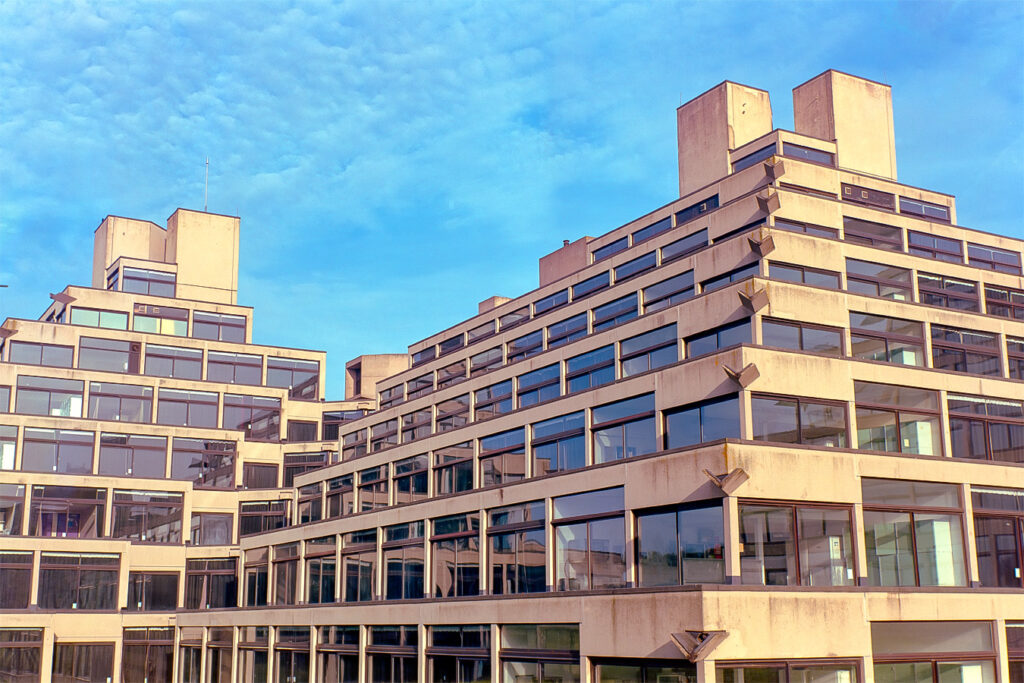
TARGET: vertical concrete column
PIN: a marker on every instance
(422, 670)
(300, 579)
(730, 509)
(202, 655)
(496, 676)
(973, 574)
(706, 671)
(378, 574)
(34, 587)
(632, 579)
(115, 669)
(234, 653)
(46, 653)
(485, 579)
(364, 661)
(549, 534)
(314, 639)
(859, 544)
(271, 654)
(1003, 658)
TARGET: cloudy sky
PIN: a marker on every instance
(394, 163)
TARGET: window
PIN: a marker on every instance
(410, 479)
(392, 396)
(799, 420)
(752, 158)
(417, 386)
(341, 496)
(234, 368)
(455, 548)
(219, 643)
(333, 419)
(57, 450)
(172, 361)
(147, 516)
(298, 463)
(187, 408)
(358, 559)
(685, 246)
(132, 455)
(257, 576)
(451, 374)
(144, 281)
(74, 662)
(286, 573)
(33, 353)
(353, 444)
(259, 476)
(493, 400)
(109, 355)
(879, 236)
(784, 334)
(806, 228)
(8, 446)
(939, 290)
(383, 435)
(403, 561)
(211, 528)
(539, 386)
(913, 533)
(591, 369)
(160, 320)
(864, 195)
(789, 672)
(91, 317)
(924, 209)
(999, 536)
(702, 422)
(815, 277)
(897, 419)
(291, 652)
(643, 671)
(961, 350)
(481, 331)
(301, 431)
(460, 654)
(540, 652)
(12, 509)
(253, 656)
(694, 210)
(16, 580)
(983, 428)
(502, 458)
(120, 402)
(718, 338)
(526, 346)
(591, 285)
(558, 444)
(637, 266)
(259, 516)
(668, 292)
(933, 246)
(611, 248)
(211, 583)
(652, 230)
(147, 654)
(648, 351)
(451, 344)
(877, 279)
(590, 540)
(67, 512)
(624, 429)
(373, 488)
(21, 653)
(218, 326)
(933, 651)
(338, 648)
(513, 318)
(814, 156)
(391, 654)
(1015, 357)
(205, 462)
(453, 469)
(517, 548)
(568, 330)
(417, 425)
(258, 416)
(49, 396)
(551, 302)
(889, 340)
(683, 545)
(735, 275)
(791, 545)
(421, 357)
(5, 399)
(152, 592)
(1004, 302)
(991, 258)
(310, 503)
(300, 377)
(73, 581)
(486, 361)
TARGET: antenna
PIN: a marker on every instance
(206, 184)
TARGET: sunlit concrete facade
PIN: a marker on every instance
(772, 430)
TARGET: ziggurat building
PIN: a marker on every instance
(770, 432)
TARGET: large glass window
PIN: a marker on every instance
(643, 671)
(187, 408)
(174, 361)
(540, 652)
(502, 458)
(528, 345)
(991, 258)
(794, 671)
(57, 450)
(353, 444)
(417, 425)
(685, 246)
(91, 317)
(913, 533)
(485, 361)
(403, 561)
(453, 413)
(257, 576)
(286, 573)
(799, 420)
(120, 402)
(718, 338)
(539, 385)
(219, 644)
(341, 496)
(591, 369)
(961, 350)
(611, 248)
(705, 421)
(785, 334)
(791, 545)
(67, 511)
(624, 429)
(8, 446)
(877, 279)
(590, 543)
(265, 515)
(34, 353)
(12, 509)
(253, 655)
(204, 462)
(558, 444)
(455, 548)
(451, 374)
(234, 368)
(568, 330)
(145, 281)
(517, 542)
(211, 583)
(637, 266)
(211, 528)
(392, 396)
(949, 292)
(391, 654)
(877, 235)
(615, 313)
(76, 662)
(147, 654)
(160, 320)
(152, 592)
(551, 302)
(453, 469)
(338, 649)
(815, 277)
(147, 516)
(681, 545)
(21, 651)
(291, 654)
(735, 275)
(410, 479)
(373, 488)
(384, 435)
(897, 419)
(218, 326)
(591, 285)
(999, 536)
(258, 416)
(300, 377)
(933, 651)
(73, 581)
(132, 455)
(649, 351)
(986, 428)
(334, 419)
(460, 654)
(49, 396)
(111, 355)
(493, 400)
(358, 559)
(15, 580)
(1004, 302)
(890, 340)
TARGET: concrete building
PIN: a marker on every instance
(770, 432)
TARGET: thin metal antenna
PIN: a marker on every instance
(206, 184)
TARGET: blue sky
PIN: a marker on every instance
(394, 163)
